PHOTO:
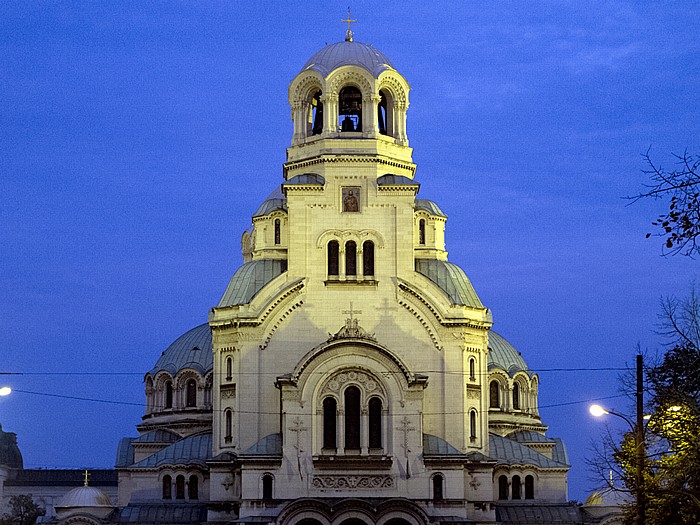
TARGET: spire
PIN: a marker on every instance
(348, 33)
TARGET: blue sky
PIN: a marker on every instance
(137, 138)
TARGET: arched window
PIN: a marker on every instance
(529, 487)
(168, 394)
(229, 368)
(228, 425)
(352, 418)
(438, 482)
(180, 487)
(167, 487)
(472, 425)
(267, 487)
(382, 114)
(502, 487)
(191, 394)
(421, 232)
(333, 266)
(368, 258)
(351, 258)
(350, 109)
(375, 423)
(516, 487)
(317, 114)
(193, 488)
(493, 395)
(516, 396)
(278, 234)
(330, 411)
(472, 369)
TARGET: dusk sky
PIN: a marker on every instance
(138, 138)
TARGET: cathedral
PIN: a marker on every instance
(349, 374)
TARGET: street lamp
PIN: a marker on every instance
(5, 390)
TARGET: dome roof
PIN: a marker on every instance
(451, 279)
(504, 356)
(85, 497)
(190, 350)
(249, 279)
(348, 53)
(608, 497)
(429, 206)
(10, 455)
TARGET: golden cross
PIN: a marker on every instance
(86, 477)
(348, 33)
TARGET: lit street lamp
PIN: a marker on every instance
(5, 390)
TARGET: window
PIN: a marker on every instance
(191, 394)
(180, 487)
(229, 369)
(421, 232)
(472, 425)
(472, 369)
(228, 425)
(502, 487)
(382, 114)
(516, 396)
(350, 259)
(375, 423)
(493, 395)
(277, 231)
(352, 418)
(317, 114)
(167, 487)
(168, 394)
(368, 258)
(516, 487)
(333, 266)
(437, 487)
(267, 487)
(529, 487)
(330, 410)
(193, 488)
(350, 109)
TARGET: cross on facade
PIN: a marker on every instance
(348, 33)
(351, 311)
(298, 427)
(405, 428)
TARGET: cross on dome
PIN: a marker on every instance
(348, 33)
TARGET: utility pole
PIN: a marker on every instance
(639, 442)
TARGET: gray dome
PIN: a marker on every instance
(504, 356)
(85, 497)
(430, 207)
(191, 350)
(348, 54)
(10, 455)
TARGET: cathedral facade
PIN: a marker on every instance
(349, 374)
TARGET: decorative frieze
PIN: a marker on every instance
(350, 482)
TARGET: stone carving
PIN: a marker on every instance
(367, 382)
(367, 481)
(351, 330)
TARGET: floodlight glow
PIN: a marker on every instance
(5, 391)
(597, 410)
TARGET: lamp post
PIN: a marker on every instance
(638, 429)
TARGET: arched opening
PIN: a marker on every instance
(228, 425)
(267, 487)
(191, 394)
(516, 396)
(368, 258)
(494, 402)
(193, 488)
(278, 233)
(180, 487)
(168, 394)
(382, 113)
(352, 418)
(502, 487)
(438, 482)
(167, 487)
(351, 259)
(375, 423)
(472, 425)
(516, 487)
(350, 109)
(421, 232)
(472, 369)
(316, 114)
(330, 411)
(529, 487)
(229, 368)
(333, 258)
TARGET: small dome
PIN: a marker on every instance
(607, 497)
(430, 207)
(504, 356)
(348, 54)
(85, 497)
(10, 455)
(191, 350)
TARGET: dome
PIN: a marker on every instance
(190, 350)
(429, 206)
(348, 53)
(10, 455)
(608, 497)
(85, 497)
(502, 355)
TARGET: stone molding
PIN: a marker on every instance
(354, 482)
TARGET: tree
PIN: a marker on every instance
(23, 511)
(680, 225)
